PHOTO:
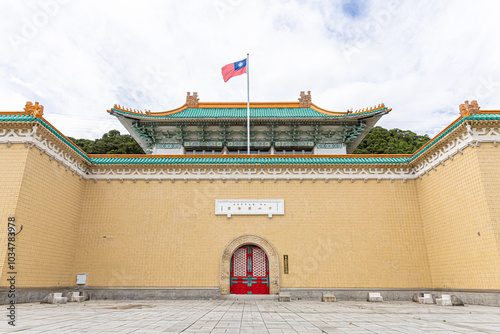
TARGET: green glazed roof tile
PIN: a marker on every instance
(30, 118)
(248, 160)
(244, 160)
(242, 113)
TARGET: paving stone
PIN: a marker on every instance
(264, 316)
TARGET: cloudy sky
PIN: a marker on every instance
(80, 57)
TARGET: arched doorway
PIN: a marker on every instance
(273, 267)
(249, 271)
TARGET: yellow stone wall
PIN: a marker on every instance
(12, 165)
(489, 159)
(457, 202)
(49, 204)
(417, 234)
(335, 234)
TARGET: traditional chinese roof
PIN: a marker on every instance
(251, 160)
(27, 117)
(352, 125)
(287, 110)
(307, 160)
(114, 159)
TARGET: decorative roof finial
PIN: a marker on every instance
(192, 100)
(467, 108)
(305, 99)
(33, 109)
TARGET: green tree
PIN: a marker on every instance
(111, 143)
(377, 141)
(394, 141)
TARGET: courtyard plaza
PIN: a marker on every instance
(251, 316)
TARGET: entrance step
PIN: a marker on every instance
(248, 297)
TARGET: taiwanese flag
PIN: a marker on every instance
(234, 69)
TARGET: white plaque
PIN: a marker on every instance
(81, 279)
(267, 207)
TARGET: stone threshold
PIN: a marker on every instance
(248, 297)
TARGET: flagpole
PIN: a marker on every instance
(248, 105)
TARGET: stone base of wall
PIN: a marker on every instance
(351, 294)
(31, 295)
(154, 293)
(36, 295)
(478, 298)
(472, 297)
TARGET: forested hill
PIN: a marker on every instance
(395, 141)
(111, 143)
(378, 141)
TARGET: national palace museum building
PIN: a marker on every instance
(197, 217)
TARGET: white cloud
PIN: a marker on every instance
(78, 58)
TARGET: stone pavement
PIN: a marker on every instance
(261, 316)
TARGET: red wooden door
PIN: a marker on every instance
(249, 271)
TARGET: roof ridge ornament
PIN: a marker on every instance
(365, 110)
(132, 111)
(305, 99)
(467, 108)
(33, 109)
(192, 100)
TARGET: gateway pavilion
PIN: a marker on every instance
(197, 217)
